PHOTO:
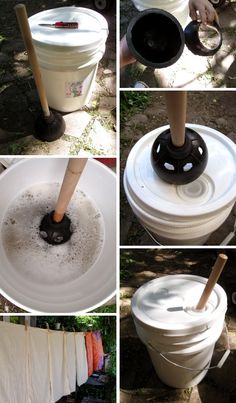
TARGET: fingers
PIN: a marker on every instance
(192, 13)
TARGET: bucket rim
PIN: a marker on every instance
(67, 44)
(142, 194)
(199, 321)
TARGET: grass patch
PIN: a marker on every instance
(106, 309)
(132, 102)
(2, 39)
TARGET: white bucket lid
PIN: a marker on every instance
(92, 28)
(213, 190)
(167, 304)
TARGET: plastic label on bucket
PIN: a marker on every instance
(73, 89)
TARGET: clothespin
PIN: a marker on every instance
(73, 329)
(47, 326)
(63, 329)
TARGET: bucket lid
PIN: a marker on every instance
(92, 27)
(167, 304)
(213, 190)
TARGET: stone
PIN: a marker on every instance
(107, 71)
(21, 57)
(195, 397)
(110, 85)
(102, 139)
(76, 123)
(60, 147)
(221, 122)
(106, 104)
(84, 154)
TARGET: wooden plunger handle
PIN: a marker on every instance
(214, 276)
(176, 103)
(73, 172)
(27, 38)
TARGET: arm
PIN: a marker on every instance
(125, 56)
(203, 10)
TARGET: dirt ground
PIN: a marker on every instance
(90, 131)
(190, 71)
(138, 380)
(215, 109)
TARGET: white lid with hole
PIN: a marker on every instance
(212, 191)
(91, 30)
(168, 304)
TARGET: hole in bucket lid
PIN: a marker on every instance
(187, 167)
(209, 36)
(158, 148)
(200, 150)
(169, 167)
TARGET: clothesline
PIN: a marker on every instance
(42, 365)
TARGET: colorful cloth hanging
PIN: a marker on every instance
(89, 349)
(98, 353)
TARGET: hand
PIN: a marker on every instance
(126, 56)
(203, 10)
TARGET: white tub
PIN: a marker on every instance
(68, 58)
(179, 339)
(89, 290)
(184, 214)
(179, 8)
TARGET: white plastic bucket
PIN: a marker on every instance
(97, 285)
(179, 339)
(68, 58)
(179, 8)
(184, 214)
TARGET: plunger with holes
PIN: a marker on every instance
(179, 155)
(55, 227)
(50, 125)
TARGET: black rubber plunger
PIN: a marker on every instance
(50, 125)
(49, 128)
(55, 233)
(179, 154)
(155, 38)
(56, 227)
(179, 165)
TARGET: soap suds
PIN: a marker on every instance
(34, 258)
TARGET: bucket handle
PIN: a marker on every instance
(219, 365)
(151, 236)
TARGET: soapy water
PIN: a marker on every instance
(34, 258)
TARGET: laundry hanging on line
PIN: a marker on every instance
(42, 365)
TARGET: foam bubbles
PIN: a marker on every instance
(34, 258)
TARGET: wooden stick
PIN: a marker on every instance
(27, 38)
(176, 103)
(214, 276)
(73, 172)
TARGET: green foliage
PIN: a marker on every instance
(125, 261)
(106, 309)
(132, 102)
